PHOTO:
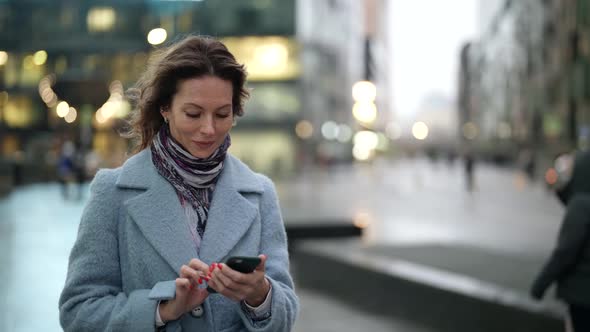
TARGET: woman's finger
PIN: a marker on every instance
(235, 289)
(234, 275)
(220, 279)
(182, 289)
(262, 265)
(221, 289)
(188, 272)
(183, 283)
(198, 265)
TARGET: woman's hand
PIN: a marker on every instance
(188, 294)
(250, 287)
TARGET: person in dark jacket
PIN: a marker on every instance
(569, 264)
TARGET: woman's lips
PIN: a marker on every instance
(204, 145)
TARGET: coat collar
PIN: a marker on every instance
(137, 170)
(159, 215)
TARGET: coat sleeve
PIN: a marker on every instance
(92, 298)
(574, 232)
(285, 304)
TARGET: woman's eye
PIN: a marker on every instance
(193, 115)
(222, 116)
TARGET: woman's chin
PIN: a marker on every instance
(201, 154)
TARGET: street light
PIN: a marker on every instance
(364, 108)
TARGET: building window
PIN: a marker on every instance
(101, 19)
(18, 112)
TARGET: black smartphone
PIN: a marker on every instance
(243, 264)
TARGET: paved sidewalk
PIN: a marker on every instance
(445, 295)
(323, 313)
(37, 230)
(413, 201)
(423, 226)
(404, 203)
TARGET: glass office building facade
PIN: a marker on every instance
(87, 53)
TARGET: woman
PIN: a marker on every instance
(569, 265)
(156, 230)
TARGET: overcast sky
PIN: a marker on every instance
(426, 39)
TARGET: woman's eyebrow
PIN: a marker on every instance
(200, 107)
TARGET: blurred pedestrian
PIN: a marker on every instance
(469, 163)
(79, 172)
(65, 167)
(450, 157)
(569, 264)
(156, 229)
(528, 162)
(17, 168)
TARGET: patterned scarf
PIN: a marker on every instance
(193, 178)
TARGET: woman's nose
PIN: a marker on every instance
(208, 126)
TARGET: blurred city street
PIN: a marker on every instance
(415, 201)
(401, 203)
(416, 146)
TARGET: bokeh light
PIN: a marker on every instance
(304, 129)
(551, 176)
(157, 36)
(62, 109)
(344, 133)
(330, 130)
(470, 130)
(365, 112)
(40, 57)
(420, 130)
(364, 91)
(362, 219)
(3, 58)
(71, 116)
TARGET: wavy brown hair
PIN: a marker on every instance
(190, 57)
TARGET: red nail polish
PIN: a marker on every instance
(220, 267)
(211, 267)
(190, 287)
(200, 281)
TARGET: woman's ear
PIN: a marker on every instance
(163, 112)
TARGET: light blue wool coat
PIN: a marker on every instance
(133, 238)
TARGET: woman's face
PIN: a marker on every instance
(200, 114)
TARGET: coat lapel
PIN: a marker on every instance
(157, 211)
(231, 214)
(160, 217)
